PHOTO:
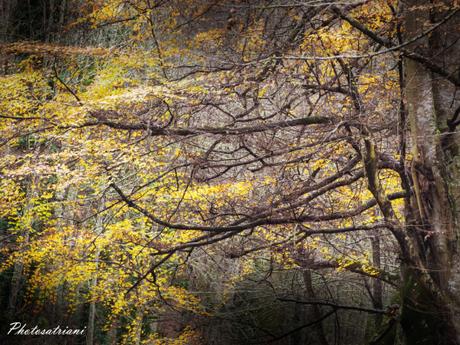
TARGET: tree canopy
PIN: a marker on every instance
(231, 172)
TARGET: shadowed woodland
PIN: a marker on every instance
(198, 172)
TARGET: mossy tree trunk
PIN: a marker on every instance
(431, 275)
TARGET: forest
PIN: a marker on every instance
(229, 172)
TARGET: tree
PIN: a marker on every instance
(268, 135)
(433, 209)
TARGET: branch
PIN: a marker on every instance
(325, 316)
(334, 305)
(257, 222)
(161, 131)
(427, 62)
(19, 118)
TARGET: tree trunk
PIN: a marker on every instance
(315, 308)
(18, 268)
(430, 313)
(112, 333)
(7, 8)
(93, 282)
(92, 308)
(139, 321)
(377, 286)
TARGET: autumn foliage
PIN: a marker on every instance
(175, 172)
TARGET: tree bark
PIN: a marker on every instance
(315, 308)
(430, 297)
(18, 268)
(377, 286)
(93, 282)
